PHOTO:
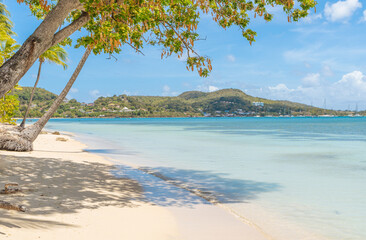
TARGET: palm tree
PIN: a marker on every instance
(8, 46)
(5, 22)
(55, 54)
(30, 133)
(7, 43)
(15, 139)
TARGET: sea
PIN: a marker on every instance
(293, 178)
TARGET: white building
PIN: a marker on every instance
(258, 104)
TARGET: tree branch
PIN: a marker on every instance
(37, 43)
(137, 50)
(71, 28)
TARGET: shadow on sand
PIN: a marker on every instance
(57, 186)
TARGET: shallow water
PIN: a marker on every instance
(299, 178)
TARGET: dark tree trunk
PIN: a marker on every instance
(41, 40)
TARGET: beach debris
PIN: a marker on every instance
(61, 139)
(9, 206)
(43, 132)
(10, 188)
(56, 133)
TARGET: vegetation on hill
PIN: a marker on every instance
(226, 102)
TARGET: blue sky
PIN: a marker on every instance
(320, 57)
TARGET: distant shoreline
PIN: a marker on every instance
(221, 103)
(361, 116)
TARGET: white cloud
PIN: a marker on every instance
(71, 93)
(348, 91)
(231, 58)
(279, 88)
(352, 85)
(280, 91)
(212, 88)
(94, 94)
(303, 54)
(167, 91)
(311, 80)
(343, 59)
(74, 90)
(166, 88)
(327, 71)
(207, 88)
(363, 18)
(315, 29)
(341, 10)
(312, 18)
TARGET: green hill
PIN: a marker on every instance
(192, 94)
(226, 102)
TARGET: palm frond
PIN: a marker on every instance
(7, 44)
(56, 54)
(5, 23)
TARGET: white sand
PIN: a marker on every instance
(71, 194)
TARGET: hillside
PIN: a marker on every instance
(226, 102)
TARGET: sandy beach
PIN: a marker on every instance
(72, 194)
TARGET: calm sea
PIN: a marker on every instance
(295, 178)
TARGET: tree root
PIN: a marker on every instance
(11, 139)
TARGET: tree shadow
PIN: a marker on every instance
(168, 186)
(57, 186)
(110, 151)
(52, 186)
(9, 221)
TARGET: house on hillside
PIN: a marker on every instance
(258, 104)
(126, 109)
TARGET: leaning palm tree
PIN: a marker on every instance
(16, 139)
(55, 54)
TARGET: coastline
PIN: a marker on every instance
(71, 193)
(205, 117)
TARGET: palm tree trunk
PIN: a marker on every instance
(32, 94)
(31, 132)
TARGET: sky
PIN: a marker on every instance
(319, 61)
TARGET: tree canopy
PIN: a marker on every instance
(111, 24)
(170, 24)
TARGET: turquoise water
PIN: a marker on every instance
(295, 178)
